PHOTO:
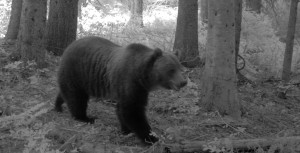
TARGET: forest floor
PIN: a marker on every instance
(29, 124)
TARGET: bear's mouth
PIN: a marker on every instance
(174, 87)
(170, 85)
(177, 86)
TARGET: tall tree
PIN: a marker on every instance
(287, 62)
(31, 34)
(136, 12)
(254, 5)
(238, 22)
(14, 21)
(186, 36)
(219, 80)
(62, 25)
(204, 11)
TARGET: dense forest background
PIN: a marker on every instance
(270, 118)
(262, 37)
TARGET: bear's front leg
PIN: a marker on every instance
(133, 118)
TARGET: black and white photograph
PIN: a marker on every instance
(149, 76)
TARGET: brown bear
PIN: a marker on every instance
(96, 67)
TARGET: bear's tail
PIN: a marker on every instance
(58, 103)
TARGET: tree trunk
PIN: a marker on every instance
(14, 21)
(62, 25)
(238, 22)
(31, 34)
(136, 10)
(219, 80)
(253, 5)
(186, 36)
(204, 11)
(287, 62)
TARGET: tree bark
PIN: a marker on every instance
(14, 21)
(62, 25)
(204, 11)
(238, 22)
(31, 34)
(219, 80)
(287, 62)
(186, 36)
(136, 11)
(254, 5)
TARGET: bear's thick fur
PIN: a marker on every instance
(96, 67)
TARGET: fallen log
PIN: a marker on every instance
(281, 145)
(278, 144)
(111, 148)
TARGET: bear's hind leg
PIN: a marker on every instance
(77, 104)
(124, 129)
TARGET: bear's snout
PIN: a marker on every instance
(183, 83)
(177, 86)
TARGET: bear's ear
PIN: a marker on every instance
(157, 53)
(153, 57)
(150, 60)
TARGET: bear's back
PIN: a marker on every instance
(84, 65)
(89, 45)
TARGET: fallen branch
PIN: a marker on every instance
(68, 144)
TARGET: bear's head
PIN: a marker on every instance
(167, 72)
(149, 68)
